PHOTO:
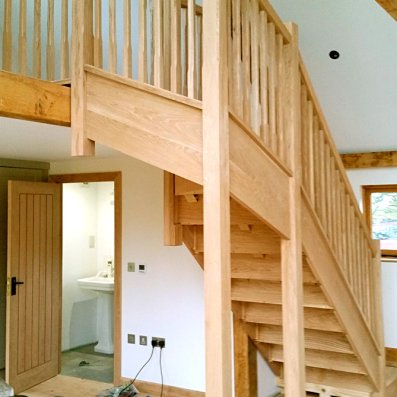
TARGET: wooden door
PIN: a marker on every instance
(34, 259)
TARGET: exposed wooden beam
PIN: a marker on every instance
(370, 159)
(391, 357)
(32, 99)
(390, 6)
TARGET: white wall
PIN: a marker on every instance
(78, 305)
(381, 176)
(267, 385)
(167, 301)
(104, 224)
(88, 212)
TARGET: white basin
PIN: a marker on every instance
(98, 283)
(103, 287)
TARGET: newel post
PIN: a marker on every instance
(81, 54)
(291, 250)
(216, 201)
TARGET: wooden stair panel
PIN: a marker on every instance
(185, 186)
(256, 181)
(325, 360)
(260, 291)
(319, 319)
(314, 339)
(245, 266)
(122, 114)
(263, 267)
(191, 212)
(340, 382)
(259, 240)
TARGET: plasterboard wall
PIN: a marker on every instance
(167, 301)
(381, 176)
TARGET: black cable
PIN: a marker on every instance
(161, 372)
(143, 366)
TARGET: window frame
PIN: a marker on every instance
(367, 190)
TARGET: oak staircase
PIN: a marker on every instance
(292, 209)
(332, 365)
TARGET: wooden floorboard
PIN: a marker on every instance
(65, 386)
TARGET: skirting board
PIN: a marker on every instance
(169, 391)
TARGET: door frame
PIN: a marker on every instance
(115, 177)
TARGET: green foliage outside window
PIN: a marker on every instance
(384, 216)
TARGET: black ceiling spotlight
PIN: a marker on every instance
(334, 54)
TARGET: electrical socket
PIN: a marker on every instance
(158, 342)
(131, 338)
(143, 340)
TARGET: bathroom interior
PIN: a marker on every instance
(88, 280)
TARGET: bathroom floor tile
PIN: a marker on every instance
(86, 364)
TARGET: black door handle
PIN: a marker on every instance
(14, 284)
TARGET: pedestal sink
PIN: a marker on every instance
(103, 287)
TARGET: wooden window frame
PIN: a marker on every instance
(367, 190)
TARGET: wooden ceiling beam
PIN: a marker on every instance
(370, 159)
(35, 100)
(390, 6)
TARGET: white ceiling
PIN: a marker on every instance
(358, 91)
(25, 140)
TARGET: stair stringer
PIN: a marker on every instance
(165, 130)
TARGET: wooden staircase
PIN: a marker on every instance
(331, 362)
(247, 125)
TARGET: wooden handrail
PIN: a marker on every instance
(328, 190)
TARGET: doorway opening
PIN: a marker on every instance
(91, 275)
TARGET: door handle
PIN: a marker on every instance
(14, 284)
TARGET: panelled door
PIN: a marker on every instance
(33, 283)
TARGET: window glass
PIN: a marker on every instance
(384, 219)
